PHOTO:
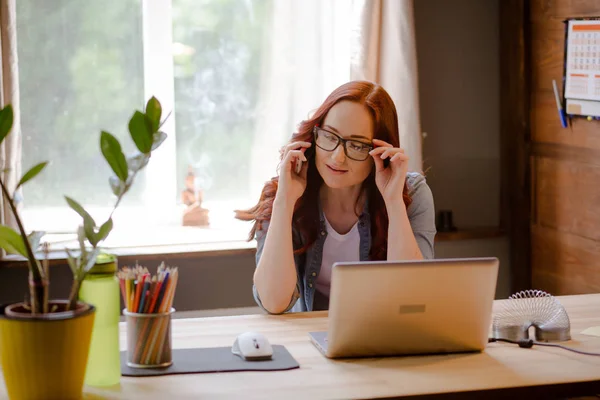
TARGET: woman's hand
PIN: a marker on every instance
(291, 184)
(390, 181)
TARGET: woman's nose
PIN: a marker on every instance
(338, 154)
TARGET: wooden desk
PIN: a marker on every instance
(501, 370)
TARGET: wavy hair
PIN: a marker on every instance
(306, 211)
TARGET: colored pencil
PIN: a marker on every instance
(146, 293)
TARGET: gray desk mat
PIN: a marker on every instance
(217, 359)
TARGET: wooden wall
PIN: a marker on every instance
(564, 163)
(515, 140)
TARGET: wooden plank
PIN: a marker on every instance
(564, 263)
(515, 137)
(567, 196)
(566, 153)
(546, 127)
(562, 9)
(547, 54)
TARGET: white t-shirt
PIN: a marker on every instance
(337, 248)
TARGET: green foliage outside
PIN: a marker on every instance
(81, 70)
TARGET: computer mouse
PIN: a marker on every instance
(252, 346)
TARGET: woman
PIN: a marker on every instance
(350, 200)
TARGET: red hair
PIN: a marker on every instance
(306, 211)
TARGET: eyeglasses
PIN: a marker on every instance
(329, 141)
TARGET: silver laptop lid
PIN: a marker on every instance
(411, 307)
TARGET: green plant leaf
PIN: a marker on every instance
(73, 263)
(104, 230)
(127, 185)
(34, 239)
(116, 185)
(6, 121)
(36, 169)
(11, 241)
(157, 139)
(111, 149)
(138, 161)
(81, 239)
(91, 260)
(90, 234)
(140, 132)
(79, 209)
(88, 221)
(154, 112)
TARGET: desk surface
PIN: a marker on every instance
(500, 369)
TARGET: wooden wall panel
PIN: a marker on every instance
(546, 127)
(515, 138)
(567, 197)
(547, 56)
(565, 173)
(564, 263)
(547, 46)
(560, 9)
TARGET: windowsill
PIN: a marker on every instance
(230, 248)
(199, 250)
(140, 238)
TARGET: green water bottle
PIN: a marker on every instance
(101, 289)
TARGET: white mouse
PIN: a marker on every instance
(252, 346)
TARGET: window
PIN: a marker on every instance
(236, 75)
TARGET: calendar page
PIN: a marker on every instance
(582, 83)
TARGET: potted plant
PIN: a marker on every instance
(49, 339)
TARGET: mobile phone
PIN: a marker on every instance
(298, 166)
(308, 154)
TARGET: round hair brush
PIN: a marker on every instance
(530, 308)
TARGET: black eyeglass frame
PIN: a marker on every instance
(343, 141)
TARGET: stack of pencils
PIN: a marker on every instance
(144, 293)
(148, 300)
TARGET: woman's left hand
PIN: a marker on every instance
(390, 180)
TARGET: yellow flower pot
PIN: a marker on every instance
(45, 356)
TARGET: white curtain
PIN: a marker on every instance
(10, 150)
(385, 52)
(317, 45)
(308, 56)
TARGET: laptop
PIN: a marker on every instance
(393, 308)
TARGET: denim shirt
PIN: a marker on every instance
(421, 215)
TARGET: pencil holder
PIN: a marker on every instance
(149, 339)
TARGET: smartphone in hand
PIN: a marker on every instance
(386, 162)
(308, 153)
(298, 166)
